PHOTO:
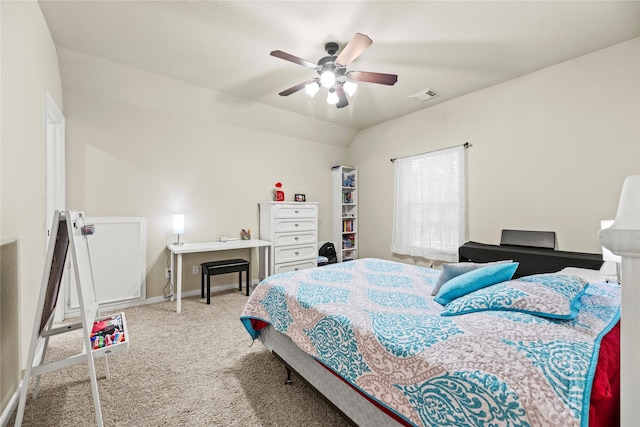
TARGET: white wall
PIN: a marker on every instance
(29, 67)
(142, 145)
(550, 151)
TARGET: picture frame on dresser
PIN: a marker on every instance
(300, 198)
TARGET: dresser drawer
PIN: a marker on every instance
(294, 211)
(284, 239)
(295, 253)
(291, 225)
(294, 266)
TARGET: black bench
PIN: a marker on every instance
(223, 267)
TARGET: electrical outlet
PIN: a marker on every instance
(167, 273)
(194, 269)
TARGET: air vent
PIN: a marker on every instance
(424, 95)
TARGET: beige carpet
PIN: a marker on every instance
(197, 368)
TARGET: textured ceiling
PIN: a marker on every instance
(452, 47)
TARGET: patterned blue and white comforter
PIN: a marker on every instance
(375, 323)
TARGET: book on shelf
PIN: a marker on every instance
(347, 226)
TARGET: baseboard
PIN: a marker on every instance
(107, 308)
(214, 290)
(7, 412)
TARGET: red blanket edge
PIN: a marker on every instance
(605, 392)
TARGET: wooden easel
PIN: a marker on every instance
(68, 234)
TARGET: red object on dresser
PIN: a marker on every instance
(279, 193)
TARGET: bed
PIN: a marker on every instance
(373, 340)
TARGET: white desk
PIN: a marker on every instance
(188, 248)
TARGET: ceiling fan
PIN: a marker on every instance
(333, 72)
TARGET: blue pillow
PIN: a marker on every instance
(451, 270)
(552, 295)
(474, 280)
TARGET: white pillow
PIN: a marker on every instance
(590, 276)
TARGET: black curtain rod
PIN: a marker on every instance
(465, 145)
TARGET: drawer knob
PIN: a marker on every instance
(297, 253)
(295, 225)
(295, 238)
(296, 211)
(296, 269)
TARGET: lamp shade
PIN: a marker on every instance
(623, 236)
(178, 224)
(332, 97)
(350, 87)
(327, 78)
(312, 88)
(607, 255)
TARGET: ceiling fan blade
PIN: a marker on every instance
(342, 98)
(353, 49)
(299, 86)
(288, 57)
(369, 77)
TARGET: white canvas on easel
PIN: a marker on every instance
(68, 236)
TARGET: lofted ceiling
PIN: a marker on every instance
(450, 47)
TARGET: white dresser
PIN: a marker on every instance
(292, 229)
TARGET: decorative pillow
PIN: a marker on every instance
(449, 271)
(590, 276)
(548, 295)
(474, 280)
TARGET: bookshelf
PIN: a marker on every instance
(345, 212)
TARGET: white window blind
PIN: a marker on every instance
(429, 206)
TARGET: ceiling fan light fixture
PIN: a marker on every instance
(333, 74)
(332, 97)
(327, 78)
(312, 88)
(350, 87)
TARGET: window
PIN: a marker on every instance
(429, 206)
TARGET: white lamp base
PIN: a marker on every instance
(629, 346)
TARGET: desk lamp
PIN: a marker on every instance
(623, 238)
(178, 227)
(611, 266)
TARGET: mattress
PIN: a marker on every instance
(340, 394)
(373, 326)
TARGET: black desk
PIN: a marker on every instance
(532, 260)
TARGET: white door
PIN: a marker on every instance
(54, 141)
